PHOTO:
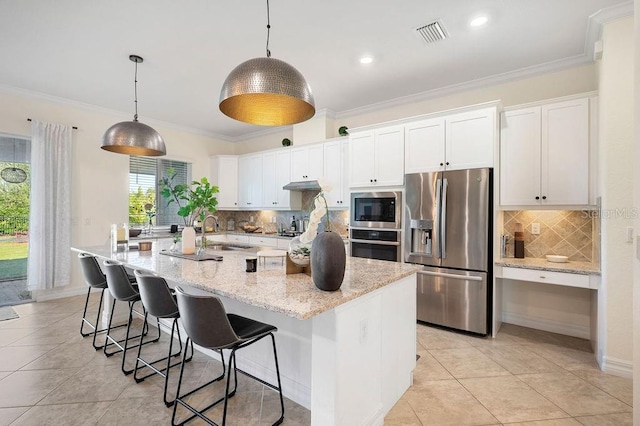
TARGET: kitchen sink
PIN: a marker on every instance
(228, 247)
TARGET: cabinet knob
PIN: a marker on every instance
(375, 180)
(447, 163)
(544, 197)
(371, 180)
(442, 164)
(537, 198)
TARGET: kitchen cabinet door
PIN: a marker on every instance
(275, 175)
(470, 139)
(250, 181)
(545, 155)
(376, 157)
(306, 163)
(520, 157)
(424, 146)
(334, 173)
(361, 147)
(269, 195)
(224, 174)
(565, 153)
(389, 156)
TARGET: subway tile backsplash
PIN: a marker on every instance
(563, 232)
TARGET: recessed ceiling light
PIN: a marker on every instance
(366, 60)
(478, 21)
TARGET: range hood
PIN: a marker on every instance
(305, 185)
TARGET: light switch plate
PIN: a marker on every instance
(535, 228)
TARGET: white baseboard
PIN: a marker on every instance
(617, 367)
(53, 294)
(552, 326)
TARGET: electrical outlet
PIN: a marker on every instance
(345, 221)
(535, 228)
(250, 219)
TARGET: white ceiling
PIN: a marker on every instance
(78, 49)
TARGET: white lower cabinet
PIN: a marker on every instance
(242, 239)
(263, 241)
(548, 277)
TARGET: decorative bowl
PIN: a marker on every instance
(145, 245)
(299, 252)
(557, 258)
(133, 232)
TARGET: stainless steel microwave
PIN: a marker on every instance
(376, 210)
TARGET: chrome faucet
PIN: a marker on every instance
(216, 227)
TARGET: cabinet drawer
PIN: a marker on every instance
(283, 243)
(261, 241)
(238, 238)
(547, 277)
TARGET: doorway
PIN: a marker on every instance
(15, 153)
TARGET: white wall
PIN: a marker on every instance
(615, 187)
(100, 178)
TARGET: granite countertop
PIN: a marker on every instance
(270, 288)
(583, 268)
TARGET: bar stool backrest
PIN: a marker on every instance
(118, 281)
(156, 296)
(93, 275)
(205, 320)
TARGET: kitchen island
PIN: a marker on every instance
(347, 355)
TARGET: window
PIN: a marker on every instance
(145, 204)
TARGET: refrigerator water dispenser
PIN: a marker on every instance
(421, 236)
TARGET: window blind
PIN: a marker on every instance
(145, 174)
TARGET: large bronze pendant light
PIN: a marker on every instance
(267, 92)
(133, 137)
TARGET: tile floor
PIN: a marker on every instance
(50, 375)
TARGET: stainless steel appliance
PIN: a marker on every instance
(448, 217)
(376, 210)
(375, 227)
(376, 244)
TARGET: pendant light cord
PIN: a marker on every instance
(135, 91)
(268, 30)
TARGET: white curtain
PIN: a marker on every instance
(50, 210)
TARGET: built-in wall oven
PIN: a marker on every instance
(376, 226)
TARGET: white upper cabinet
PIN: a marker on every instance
(275, 175)
(307, 163)
(224, 174)
(376, 157)
(454, 142)
(335, 173)
(545, 155)
(424, 146)
(250, 181)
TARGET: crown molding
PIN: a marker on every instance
(94, 108)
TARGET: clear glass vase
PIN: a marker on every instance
(299, 252)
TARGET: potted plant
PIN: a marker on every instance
(194, 202)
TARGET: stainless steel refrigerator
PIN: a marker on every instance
(448, 228)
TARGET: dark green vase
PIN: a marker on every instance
(328, 260)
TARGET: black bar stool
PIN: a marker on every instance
(121, 289)
(95, 279)
(207, 324)
(159, 301)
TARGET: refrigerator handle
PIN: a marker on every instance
(438, 248)
(443, 219)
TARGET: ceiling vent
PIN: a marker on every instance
(432, 32)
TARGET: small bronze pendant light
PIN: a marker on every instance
(133, 137)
